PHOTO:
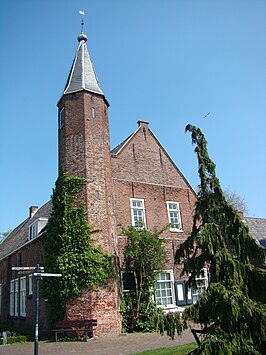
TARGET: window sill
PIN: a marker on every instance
(175, 230)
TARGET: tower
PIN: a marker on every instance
(84, 150)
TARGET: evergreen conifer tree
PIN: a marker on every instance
(69, 248)
(233, 307)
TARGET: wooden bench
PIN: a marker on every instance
(76, 327)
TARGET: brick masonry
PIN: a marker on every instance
(84, 150)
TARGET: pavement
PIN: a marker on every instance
(110, 345)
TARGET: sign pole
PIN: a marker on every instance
(36, 342)
(38, 273)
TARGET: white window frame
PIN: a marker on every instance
(12, 298)
(202, 285)
(170, 210)
(157, 289)
(36, 227)
(22, 296)
(16, 297)
(139, 209)
(33, 230)
(30, 288)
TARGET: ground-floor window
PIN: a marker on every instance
(201, 285)
(164, 289)
(17, 297)
(30, 284)
(22, 298)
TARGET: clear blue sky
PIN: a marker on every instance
(168, 62)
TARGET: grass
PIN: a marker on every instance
(177, 350)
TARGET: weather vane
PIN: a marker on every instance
(82, 20)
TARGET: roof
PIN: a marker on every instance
(82, 75)
(19, 236)
(257, 228)
(120, 146)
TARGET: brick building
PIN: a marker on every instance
(136, 182)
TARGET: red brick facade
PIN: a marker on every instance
(139, 168)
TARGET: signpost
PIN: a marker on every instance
(38, 273)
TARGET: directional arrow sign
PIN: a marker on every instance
(40, 274)
(25, 268)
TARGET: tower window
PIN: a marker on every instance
(62, 118)
(93, 112)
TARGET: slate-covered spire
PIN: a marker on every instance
(82, 75)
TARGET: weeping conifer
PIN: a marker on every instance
(233, 307)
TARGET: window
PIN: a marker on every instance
(202, 285)
(138, 213)
(62, 118)
(36, 227)
(33, 231)
(174, 216)
(183, 293)
(12, 297)
(16, 297)
(30, 285)
(14, 285)
(22, 298)
(164, 289)
(93, 112)
(128, 281)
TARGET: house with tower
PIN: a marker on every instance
(135, 182)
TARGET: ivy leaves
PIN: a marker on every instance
(69, 248)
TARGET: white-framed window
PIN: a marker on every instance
(62, 118)
(164, 289)
(201, 285)
(33, 231)
(30, 284)
(174, 216)
(138, 212)
(93, 112)
(22, 298)
(16, 307)
(12, 298)
(36, 227)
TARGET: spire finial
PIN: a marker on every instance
(82, 13)
(82, 36)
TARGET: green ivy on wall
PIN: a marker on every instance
(69, 249)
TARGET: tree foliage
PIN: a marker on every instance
(145, 257)
(236, 201)
(69, 248)
(3, 235)
(233, 307)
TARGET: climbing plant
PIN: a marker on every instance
(145, 257)
(233, 307)
(69, 248)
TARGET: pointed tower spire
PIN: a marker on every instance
(82, 75)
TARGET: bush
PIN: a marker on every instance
(14, 338)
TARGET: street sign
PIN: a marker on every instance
(40, 274)
(26, 268)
